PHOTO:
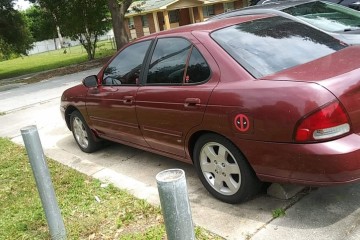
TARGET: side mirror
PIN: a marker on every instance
(90, 81)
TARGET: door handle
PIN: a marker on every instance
(128, 100)
(191, 102)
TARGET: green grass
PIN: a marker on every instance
(51, 60)
(118, 215)
(279, 212)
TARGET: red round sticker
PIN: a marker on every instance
(242, 122)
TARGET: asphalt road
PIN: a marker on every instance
(324, 213)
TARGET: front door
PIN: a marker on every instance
(111, 106)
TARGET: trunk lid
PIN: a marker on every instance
(338, 72)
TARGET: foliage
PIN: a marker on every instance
(41, 23)
(279, 212)
(15, 37)
(83, 20)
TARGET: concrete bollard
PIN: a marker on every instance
(43, 181)
(175, 204)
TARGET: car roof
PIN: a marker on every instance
(271, 8)
(278, 5)
(209, 26)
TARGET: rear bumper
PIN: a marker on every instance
(318, 164)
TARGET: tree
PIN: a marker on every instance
(15, 37)
(118, 9)
(83, 20)
(41, 23)
(86, 20)
(54, 9)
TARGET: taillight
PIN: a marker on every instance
(326, 123)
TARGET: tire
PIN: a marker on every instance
(223, 169)
(84, 137)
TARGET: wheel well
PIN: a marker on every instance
(197, 135)
(193, 140)
(68, 112)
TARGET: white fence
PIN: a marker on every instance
(53, 44)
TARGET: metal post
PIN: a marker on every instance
(175, 204)
(43, 181)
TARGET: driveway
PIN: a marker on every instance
(324, 213)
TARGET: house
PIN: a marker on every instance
(149, 16)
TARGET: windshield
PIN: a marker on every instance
(269, 45)
(327, 16)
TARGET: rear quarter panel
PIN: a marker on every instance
(346, 88)
(272, 107)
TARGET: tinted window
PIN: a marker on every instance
(168, 62)
(126, 67)
(198, 70)
(269, 45)
(330, 17)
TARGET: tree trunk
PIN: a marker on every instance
(59, 36)
(118, 11)
(58, 30)
(86, 43)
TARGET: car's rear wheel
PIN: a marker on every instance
(223, 169)
(82, 133)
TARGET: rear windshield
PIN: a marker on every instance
(269, 45)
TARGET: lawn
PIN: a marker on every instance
(90, 209)
(51, 60)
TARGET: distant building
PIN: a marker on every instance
(145, 17)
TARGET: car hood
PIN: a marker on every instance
(338, 72)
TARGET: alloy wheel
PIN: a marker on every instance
(80, 133)
(220, 168)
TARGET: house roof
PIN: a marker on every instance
(148, 6)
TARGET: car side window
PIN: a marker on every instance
(168, 61)
(198, 70)
(126, 66)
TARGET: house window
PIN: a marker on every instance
(174, 16)
(144, 21)
(229, 6)
(208, 11)
(131, 23)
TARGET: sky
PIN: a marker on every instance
(21, 4)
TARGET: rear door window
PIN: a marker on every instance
(198, 70)
(175, 61)
(168, 61)
(269, 45)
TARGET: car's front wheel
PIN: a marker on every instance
(223, 169)
(82, 133)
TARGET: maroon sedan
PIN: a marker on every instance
(247, 100)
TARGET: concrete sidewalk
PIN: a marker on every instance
(325, 213)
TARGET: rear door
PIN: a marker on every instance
(179, 80)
